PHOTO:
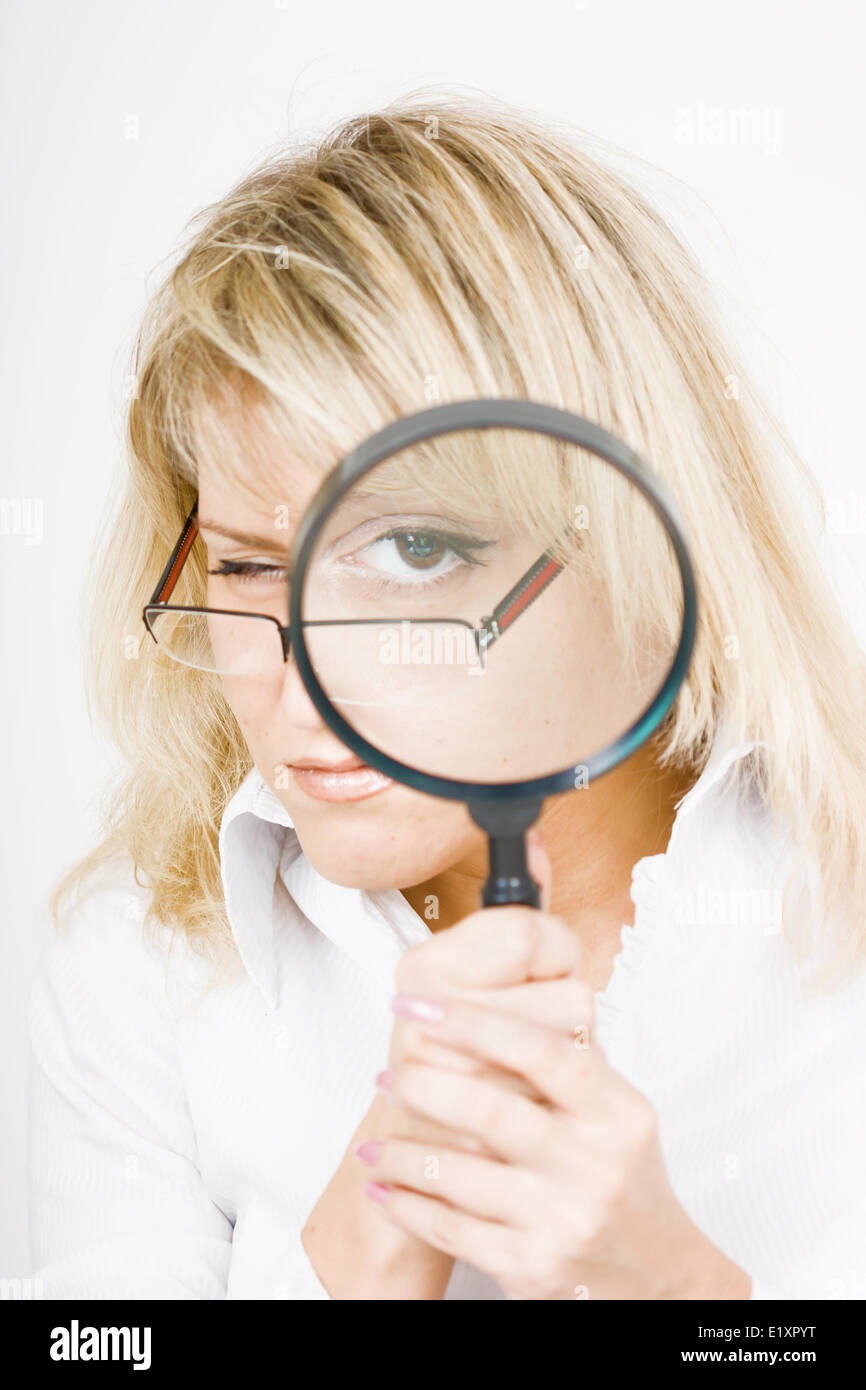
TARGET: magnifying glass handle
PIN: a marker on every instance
(506, 822)
(509, 879)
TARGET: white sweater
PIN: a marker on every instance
(178, 1144)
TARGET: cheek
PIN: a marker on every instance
(253, 703)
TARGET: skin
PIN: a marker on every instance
(550, 1175)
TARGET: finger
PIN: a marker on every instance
(487, 1245)
(465, 1064)
(516, 1129)
(494, 947)
(484, 1187)
(538, 862)
(399, 1122)
(564, 1072)
(564, 1004)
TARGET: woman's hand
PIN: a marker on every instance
(556, 1185)
(354, 1252)
(530, 972)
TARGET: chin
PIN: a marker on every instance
(374, 872)
(378, 857)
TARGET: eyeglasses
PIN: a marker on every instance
(228, 642)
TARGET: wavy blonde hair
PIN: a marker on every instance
(441, 248)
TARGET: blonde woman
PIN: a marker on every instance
(249, 1037)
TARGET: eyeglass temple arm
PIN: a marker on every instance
(168, 578)
(518, 598)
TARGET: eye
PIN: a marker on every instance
(247, 572)
(406, 551)
(420, 549)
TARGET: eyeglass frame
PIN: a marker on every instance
(490, 628)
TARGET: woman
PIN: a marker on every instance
(277, 1049)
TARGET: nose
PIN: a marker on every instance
(295, 703)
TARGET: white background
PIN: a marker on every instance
(120, 120)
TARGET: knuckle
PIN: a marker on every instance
(492, 1112)
(521, 937)
(528, 931)
(470, 1143)
(550, 1053)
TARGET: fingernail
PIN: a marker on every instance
(369, 1152)
(417, 1007)
(383, 1080)
(377, 1191)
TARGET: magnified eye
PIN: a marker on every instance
(412, 555)
(411, 549)
(421, 549)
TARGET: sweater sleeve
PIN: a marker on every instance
(117, 1206)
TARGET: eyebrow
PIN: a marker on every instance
(268, 543)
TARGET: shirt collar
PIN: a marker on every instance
(252, 832)
(259, 849)
(258, 846)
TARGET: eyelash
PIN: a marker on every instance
(245, 569)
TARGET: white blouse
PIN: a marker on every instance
(178, 1143)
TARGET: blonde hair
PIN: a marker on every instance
(442, 248)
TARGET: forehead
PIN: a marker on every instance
(249, 471)
(267, 503)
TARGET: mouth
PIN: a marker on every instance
(347, 780)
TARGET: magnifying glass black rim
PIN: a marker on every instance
(492, 413)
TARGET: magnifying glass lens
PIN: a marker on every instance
(492, 605)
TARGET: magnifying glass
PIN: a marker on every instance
(493, 601)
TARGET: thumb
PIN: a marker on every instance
(538, 862)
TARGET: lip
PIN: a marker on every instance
(321, 765)
(349, 780)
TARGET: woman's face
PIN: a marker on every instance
(357, 829)
(548, 693)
